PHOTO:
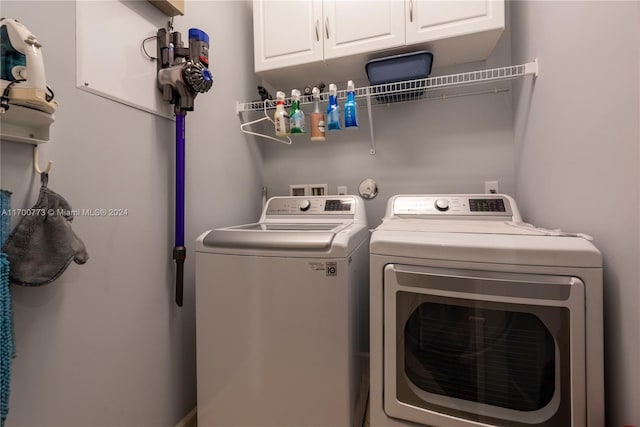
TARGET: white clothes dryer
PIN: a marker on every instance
(282, 316)
(480, 320)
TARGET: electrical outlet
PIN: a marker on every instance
(342, 190)
(318, 189)
(491, 187)
(299, 190)
(308, 190)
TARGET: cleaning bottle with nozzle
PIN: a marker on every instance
(351, 107)
(333, 109)
(281, 118)
(317, 117)
(296, 115)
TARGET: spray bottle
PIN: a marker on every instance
(317, 118)
(281, 118)
(296, 115)
(333, 109)
(351, 107)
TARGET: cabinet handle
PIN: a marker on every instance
(317, 31)
(410, 10)
(326, 27)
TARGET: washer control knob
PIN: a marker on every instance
(304, 205)
(442, 205)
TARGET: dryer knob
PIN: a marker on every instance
(304, 205)
(442, 205)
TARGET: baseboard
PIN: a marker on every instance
(189, 420)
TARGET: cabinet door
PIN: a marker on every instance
(352, 27)
(440, 19)
(286, 32)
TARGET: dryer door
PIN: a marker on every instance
(472, 348)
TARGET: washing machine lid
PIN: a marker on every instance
(482, 241)
(275, 236)
(295, 226)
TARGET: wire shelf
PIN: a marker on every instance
(413, 89)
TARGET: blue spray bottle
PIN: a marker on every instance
(351, 107)
(333, 109)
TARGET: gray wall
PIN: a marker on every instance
(437, 146)
(577, 136)
(105, 345)
(433, 147)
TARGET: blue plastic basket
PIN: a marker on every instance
(398, 69)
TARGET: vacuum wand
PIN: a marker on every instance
(182, 74)
(180, 251)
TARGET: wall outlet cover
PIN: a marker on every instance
(318, 189)
(491, 187)
(299, 190)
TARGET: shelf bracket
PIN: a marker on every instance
(532, 68)
(372, 150)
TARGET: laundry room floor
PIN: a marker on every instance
(365, 423)
(365, 389)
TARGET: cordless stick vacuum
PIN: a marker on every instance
(182, 74)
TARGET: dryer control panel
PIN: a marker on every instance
(469, 206)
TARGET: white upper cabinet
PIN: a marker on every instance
(352, 27)
(294, 32)
(286, 33)
(471, 27)
(327, 39)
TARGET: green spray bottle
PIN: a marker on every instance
(296, 115)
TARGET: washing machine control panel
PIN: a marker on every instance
(311, 206)
(304, 205)
(490, 205)
(442, 205)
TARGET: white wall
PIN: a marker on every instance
(577, 137)
(105, 345)
(450, 146)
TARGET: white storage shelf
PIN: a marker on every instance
(22, 124)
(413, 89)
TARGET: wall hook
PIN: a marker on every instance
(35, 162)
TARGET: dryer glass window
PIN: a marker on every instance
(494, 357)
(492, 362)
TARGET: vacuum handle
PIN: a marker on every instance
(179, 254)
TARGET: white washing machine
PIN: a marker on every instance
(480, 320)
(282, 316)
